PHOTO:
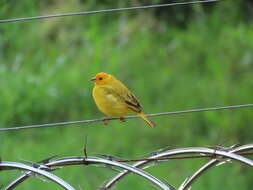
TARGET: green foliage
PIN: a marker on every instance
(46, 66)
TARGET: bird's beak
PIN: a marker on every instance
(93, 79)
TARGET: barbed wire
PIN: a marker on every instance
(39, 171)
(127, 117)
(104, 11)
(213, 162)
(214, 155)
(218, 154)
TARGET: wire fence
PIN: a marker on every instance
(217, 155)
(105, 11)
(127, 117)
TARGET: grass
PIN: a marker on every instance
(44, 76)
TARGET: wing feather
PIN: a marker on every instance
(124, 96)
(133, 103)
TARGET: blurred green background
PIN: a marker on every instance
(173, 58)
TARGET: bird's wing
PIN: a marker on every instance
(124, 96)
(133, 103)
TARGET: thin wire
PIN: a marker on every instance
(103, 11)
(127, 117)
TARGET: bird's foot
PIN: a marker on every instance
(122, 119)
(105, 120)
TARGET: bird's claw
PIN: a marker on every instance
(105, 120)
(122, 119)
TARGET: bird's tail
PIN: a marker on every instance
(151, 123)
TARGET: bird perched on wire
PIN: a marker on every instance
(114, 99)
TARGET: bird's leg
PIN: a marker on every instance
(105, 120)
(122, 119)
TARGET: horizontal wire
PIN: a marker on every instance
(127, 117)
(103, 11)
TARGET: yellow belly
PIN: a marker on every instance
(109, 104)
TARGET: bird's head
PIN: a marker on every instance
(101, 78)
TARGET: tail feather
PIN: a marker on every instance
(151, 123)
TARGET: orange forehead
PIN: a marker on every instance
(101, 75)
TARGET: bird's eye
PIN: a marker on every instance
(100, 78)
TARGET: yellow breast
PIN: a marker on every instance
(109, 103)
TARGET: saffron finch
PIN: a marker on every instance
(114, 99)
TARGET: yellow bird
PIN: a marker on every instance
(114, 99)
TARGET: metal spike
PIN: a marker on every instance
(153, 153)
(224, 162)
(40, 166)
(45, 161)
(151, 165)
(34, 164)
(109, 157)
